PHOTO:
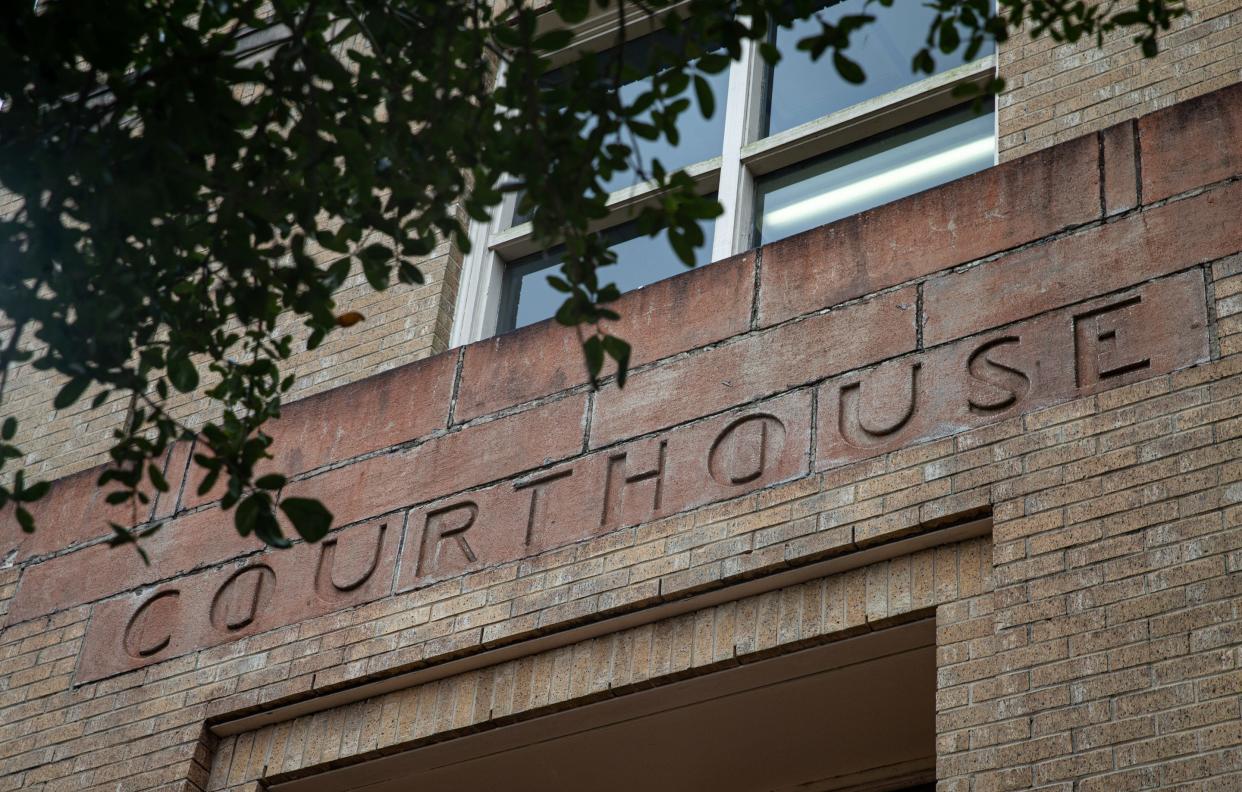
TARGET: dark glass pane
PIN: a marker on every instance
(701, 138)
(802, 90)
(528, 297)
(917, 157)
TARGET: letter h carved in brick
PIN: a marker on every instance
(618, 480)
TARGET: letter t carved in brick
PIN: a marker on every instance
(536, 487)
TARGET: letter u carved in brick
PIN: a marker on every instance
(892, 396)
(358, 554)
(237, 603)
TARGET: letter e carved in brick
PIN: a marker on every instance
(1099, 352)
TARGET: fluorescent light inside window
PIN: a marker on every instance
(859, 192)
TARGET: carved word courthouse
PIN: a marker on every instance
(929, 477)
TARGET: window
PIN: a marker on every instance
(789, 148)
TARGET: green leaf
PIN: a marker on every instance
(71, 392)
(409, 274)
(553, 40)
(34, 492)
(267, 529)
(209, 481)
(247, 514)
(310, 517)
(181, 372)
(619, 351)
(849, 70)
(949, 37)
(573, 11)
(272, 481)
(707, 102)
(157, 478)
(376, 253)
(713, 62)
(593, 348)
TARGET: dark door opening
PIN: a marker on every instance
(856, 715)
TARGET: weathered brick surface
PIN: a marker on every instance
(1093, 346)
(397, 406)
(188, 542)
(990, 211)
(757, 365)
(731, 633)
(667, 317)
(1090, 642)
(1094, 261)
(241, 599)
(1211, 128)
(474, 455)
(634, 483)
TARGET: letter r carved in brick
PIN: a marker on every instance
(447, 527)
(1097, 352)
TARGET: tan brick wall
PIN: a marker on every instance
(1113, 625)
(1055, 92)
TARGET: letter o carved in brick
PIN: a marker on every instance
(746, 448)
(238, 601)
(150, 629)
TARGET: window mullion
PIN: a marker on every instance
(482, 271)
(742, 108)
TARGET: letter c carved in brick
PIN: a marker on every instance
(150, 629)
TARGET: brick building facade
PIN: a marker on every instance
(947, 491)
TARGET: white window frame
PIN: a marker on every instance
(732, 176)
